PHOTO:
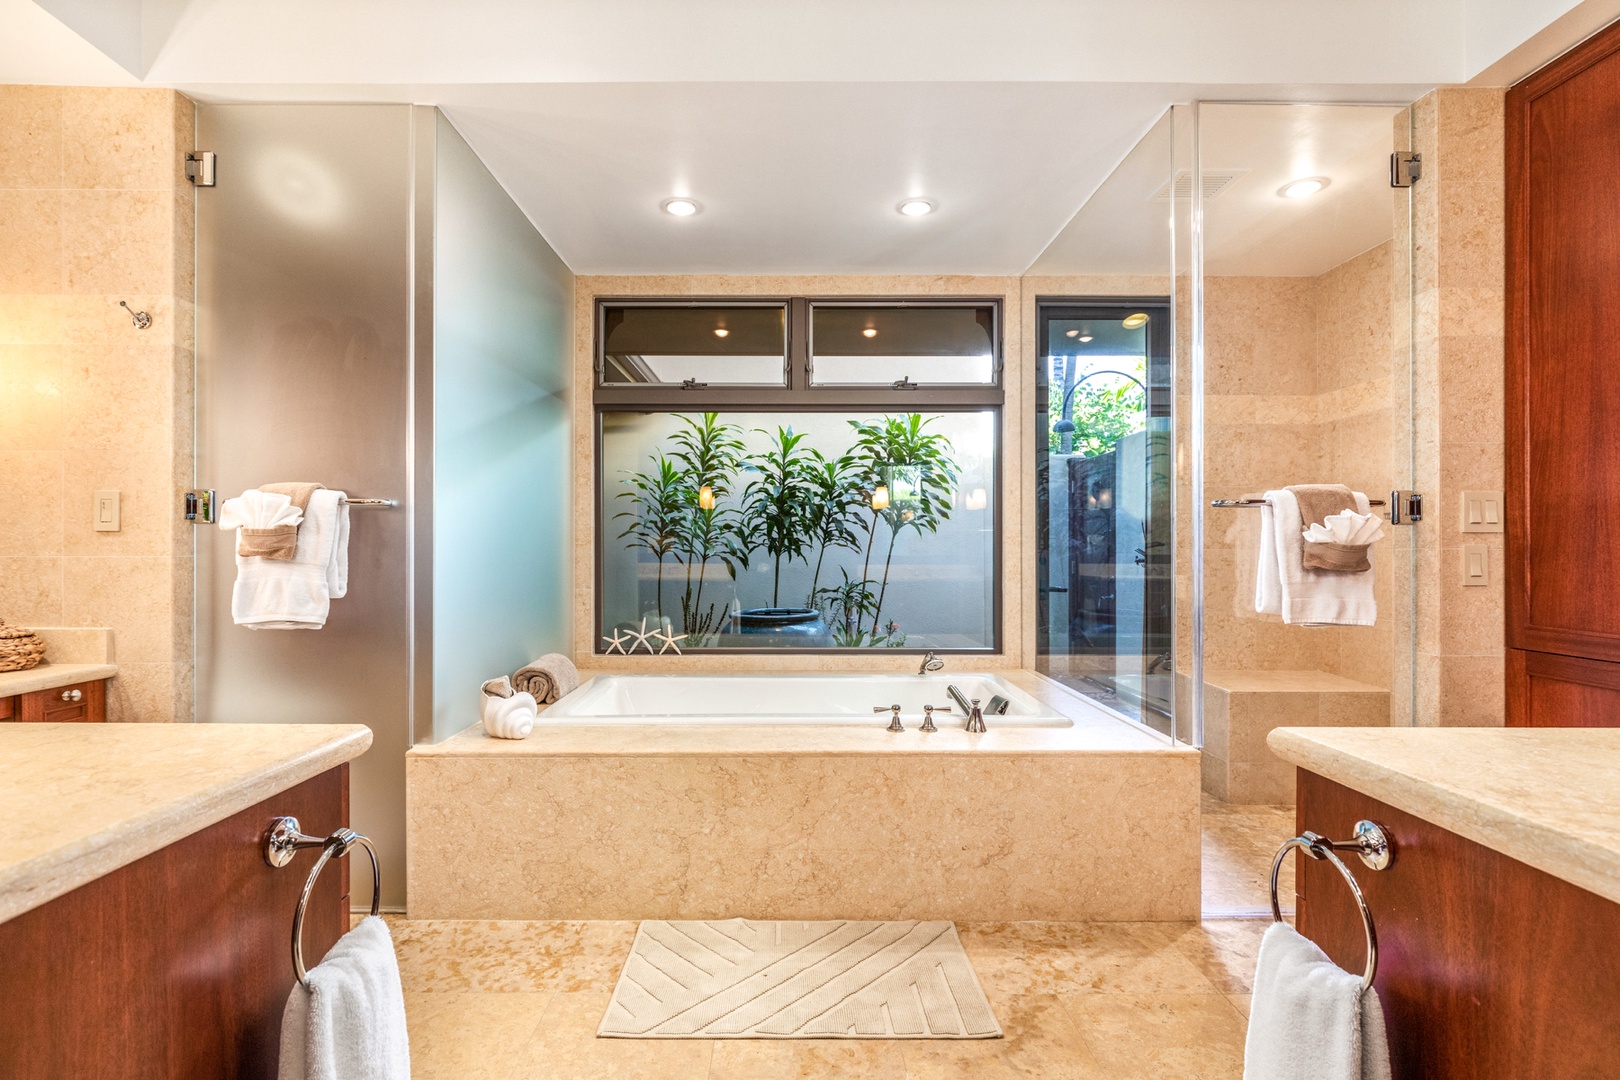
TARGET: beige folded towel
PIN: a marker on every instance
(547, 678)
(501, 688)
(280, 541)
(1317, 502)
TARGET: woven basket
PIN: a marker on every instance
(19, 649)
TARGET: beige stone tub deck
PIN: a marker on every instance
(1099, 821)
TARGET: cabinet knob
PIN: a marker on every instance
(73, 695)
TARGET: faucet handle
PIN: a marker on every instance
(894, 720)
(975, 723)
(928, 716)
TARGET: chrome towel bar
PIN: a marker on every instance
(283, 841)
(372, 502)
(1240, 504)
(1372, 845)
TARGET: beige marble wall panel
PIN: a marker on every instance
(805, 836)
(94, 208)
(1017, 623)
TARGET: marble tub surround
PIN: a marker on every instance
(82, 800)
(1096, 821)
(1543, 796)
(72, 655)
(1241, 708)
(1099, 1001)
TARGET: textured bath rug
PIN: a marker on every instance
(741, 979)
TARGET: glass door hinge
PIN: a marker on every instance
(200, 506)
(1405, 507)
(1405, 169)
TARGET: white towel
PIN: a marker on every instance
(349, 1024)
(255, 509)
(297, 595)
(1309, 1019)
(1306, 597)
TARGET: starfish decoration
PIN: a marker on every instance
(640, 637)
(614, 643)
(669, 641)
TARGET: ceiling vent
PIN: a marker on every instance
(1215, 182)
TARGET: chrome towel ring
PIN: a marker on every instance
(1372, 845)
(284, 840)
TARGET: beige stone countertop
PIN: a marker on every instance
(1095, 730)
(50, 676)
(82, 800)
(1548, 797)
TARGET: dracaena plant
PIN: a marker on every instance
(708, 454)
(657, 514)
(832, 512)
(779, 501)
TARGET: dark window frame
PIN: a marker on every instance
(799, 396)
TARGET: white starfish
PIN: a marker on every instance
(616, 642)
(669, 641)
(640, 637)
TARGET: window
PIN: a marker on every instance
(735, 513)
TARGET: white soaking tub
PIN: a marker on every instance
(811, 700)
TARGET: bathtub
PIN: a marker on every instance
(814, 700)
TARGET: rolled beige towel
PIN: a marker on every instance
(547, 678)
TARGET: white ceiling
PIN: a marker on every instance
(797, 126)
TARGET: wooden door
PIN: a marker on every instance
(1563, 355)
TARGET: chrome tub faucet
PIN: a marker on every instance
(931, 662)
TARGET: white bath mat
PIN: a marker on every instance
(740, 979)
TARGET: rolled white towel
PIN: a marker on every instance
(509, 717)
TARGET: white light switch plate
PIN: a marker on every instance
(1482, 512)
(106, 511)
(1476, 563)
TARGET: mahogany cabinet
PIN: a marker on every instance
(178, 964)
(1563, 387)
(80, 703)
(1489, 969)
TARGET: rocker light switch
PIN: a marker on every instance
(1482, 512)
(106, 511)
(1476, 564)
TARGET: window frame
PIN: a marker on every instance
(800, 396)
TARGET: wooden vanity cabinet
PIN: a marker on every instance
(80, 703)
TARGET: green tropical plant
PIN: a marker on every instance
(657, 514)
(835, 500)
(779, 500)
(709, 454)
(913, 464)
(1102, 415)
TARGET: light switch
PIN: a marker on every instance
(106, 511)
(1482, 512)
(1476, 564)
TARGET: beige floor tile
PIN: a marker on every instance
(1162, 1036)
(565, 1047)
(1240, 1002)
(806, 1059)
(1041, 1040)
(565, 957)
(471, 1036)
(1225, 950)
(1239, 843)
(1046, 958)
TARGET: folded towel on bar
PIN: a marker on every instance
(349, 1023)
(547, 678)
(297, 594)
(1318, 502)
(1307, 597)
(1309, 1019)
(507, 717)
(266, 523)
(1340, 542)
(282, 541)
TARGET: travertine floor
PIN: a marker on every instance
(1163, 1001)
(1155, 1001)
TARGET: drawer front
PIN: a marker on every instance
(8, 708)
(81, 703)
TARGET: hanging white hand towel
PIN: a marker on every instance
(349, 1023)
(1306, 597)
(297, 594)
(1309, 1019)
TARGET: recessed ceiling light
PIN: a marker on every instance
(721, 331)
(916, 207)
(1300, 189)
(680, 207)
(869, 332)
(1085, 337)
(1073, 333)
(1134, 322)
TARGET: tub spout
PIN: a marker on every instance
(931, 662)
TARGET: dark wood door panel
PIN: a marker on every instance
(1547, 690)
(1488, 969)
(1563, 355)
